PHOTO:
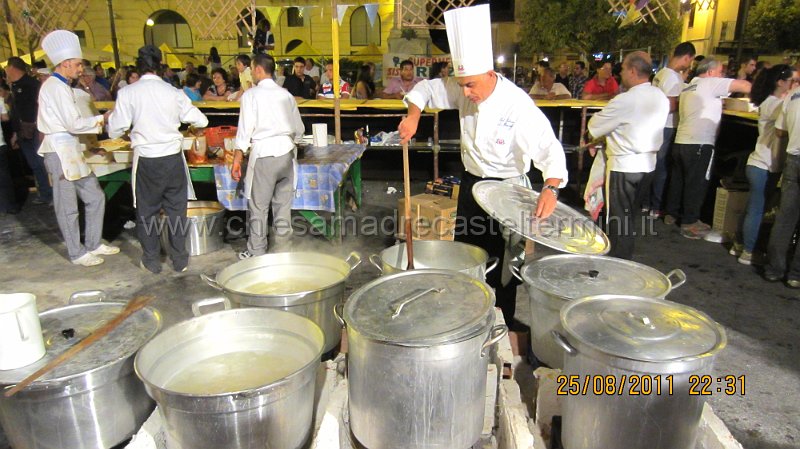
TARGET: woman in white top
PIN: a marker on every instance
(765, 162)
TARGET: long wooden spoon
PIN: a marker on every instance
(132, 307)
(407, 212)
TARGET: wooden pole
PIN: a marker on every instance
(132, 307)
(337, 107)
(12, 38)
(114, 42)
(407, 209)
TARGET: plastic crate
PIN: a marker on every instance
(215, 137)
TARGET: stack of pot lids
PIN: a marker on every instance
(572, 276)
(642, 329)
(438, 306)
(515, 208)
(64, 327)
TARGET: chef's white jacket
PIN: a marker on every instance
(502, 135)
(633, 122)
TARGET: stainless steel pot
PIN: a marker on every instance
(437, 254)
(637, 356)
(303, 283)
(553, 281)
(234, 401)
(416, 359)
(205, 230)
(91, 401)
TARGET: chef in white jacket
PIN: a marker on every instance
(502, 132)
(154, 110)
(60, 120)
(269, 123)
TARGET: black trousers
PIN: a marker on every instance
(161, 184)
(688, 184)
(626, 192)
(7, 200)
(475, 227)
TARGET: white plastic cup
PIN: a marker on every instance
(21, 341)
(320, 132)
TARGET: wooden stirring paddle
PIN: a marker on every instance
(132, 307)
(407, 212)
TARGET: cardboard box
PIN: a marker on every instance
(433, 217)
(729, 208)
(442, 188)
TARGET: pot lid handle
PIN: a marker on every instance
(398, 304)
(679, 275)
(354, 260)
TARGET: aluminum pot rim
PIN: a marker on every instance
(248, 393)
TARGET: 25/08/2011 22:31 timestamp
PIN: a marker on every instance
(647, 385)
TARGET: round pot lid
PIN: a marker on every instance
(64, 327)
(420, 308)
(642, 329)
(565, 230)
(571, 276)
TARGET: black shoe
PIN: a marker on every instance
(151, 270)
(771, 277)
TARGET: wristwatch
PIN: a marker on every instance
(552, 189)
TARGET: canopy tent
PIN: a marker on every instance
(124, 58)
(369, 53)
(38, 54)
(304, 50)
(176, 60)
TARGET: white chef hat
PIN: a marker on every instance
(469, 32)
(61, 45)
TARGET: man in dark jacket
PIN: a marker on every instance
(24, 108)
(298, 83)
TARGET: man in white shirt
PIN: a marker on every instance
(670, 81)
(154, 111)
(780, 238)
(633, 122)
(547, 89)
(59, 119)
(269, 123)
(700, 108)
(502, 132)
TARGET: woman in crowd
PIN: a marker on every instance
(439, 70)
(219, 90)
(765, 162)
(213, 61)
(119, 80)
(365, 87)
(192, 87)
(132, 77)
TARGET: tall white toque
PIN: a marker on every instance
(61, 45)
(469, 32)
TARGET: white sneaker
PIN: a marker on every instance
(88, 260)
(105, 250)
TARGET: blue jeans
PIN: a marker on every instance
(785, 223)
(36, 163)
(762, 186)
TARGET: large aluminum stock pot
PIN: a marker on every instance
(236, 379)
(304, 283)
(553, 281)
(437, 254)
(637, 357)
(417, 359)
(91, 401)
(205, 227)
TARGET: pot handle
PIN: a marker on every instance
(226, 305)
(338, 312)
(496, 334)
(561, 341)
(22, 335)
(354, 260)
(211, 282)
(87, 295)
(491, 264)
(377, 262)
(677, 274)
(515, 272)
